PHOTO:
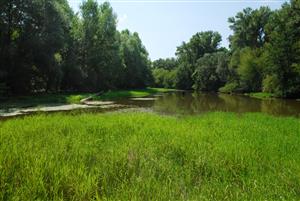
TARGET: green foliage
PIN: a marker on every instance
(283, 50)
(46, 48)
(230, 87)
(211, 72)
(184, 77)
(249, 28)
(270, 84)
(189, 53)
(250, 69)
(145, 156)
(164, 78)
(164, 72)
(265, 50)
(261, 95)
(30, 37)
(166, 64)
(135, 61)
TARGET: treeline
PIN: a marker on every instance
(264, 56)
(46, 47)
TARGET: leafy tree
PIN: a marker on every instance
(211, 72)
(247, 46)
(164, 78)
(136, 64)
(164, 72)
(249, 28)
(32, 39)
(284, 51)
(189, 53)
(251, 69)
(167, 64)
(73, 63)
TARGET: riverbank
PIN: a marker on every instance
(135, 93)
(142, 156)
(40, 100)
(43, 100)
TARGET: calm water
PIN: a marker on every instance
(191, 103)
(197, 103)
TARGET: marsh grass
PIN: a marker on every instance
(141, 156)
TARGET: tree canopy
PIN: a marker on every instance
(263, 55)
(46, 47)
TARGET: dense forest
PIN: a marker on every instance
(46, 47)
(264, 56)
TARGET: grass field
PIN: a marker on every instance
(142, 156)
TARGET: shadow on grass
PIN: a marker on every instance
(41, 100)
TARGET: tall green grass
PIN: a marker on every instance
(141, 156)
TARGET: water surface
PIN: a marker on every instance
(192, 103)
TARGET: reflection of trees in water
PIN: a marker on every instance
(239, 103)
(225, 102)
(195, 103)
(204, 102)
(179, 102)
(281, 107)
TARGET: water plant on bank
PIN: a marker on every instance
(110, 95)
(261, 95)
(142, 156)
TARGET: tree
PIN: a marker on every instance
(283, 77)
(167, 64)
(248, 28)
(247, 47)
(189, 53)
(164, 72)
(211, 72)
(32, 39)
(100, 52)
(136, 64)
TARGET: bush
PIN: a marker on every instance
(229, 87)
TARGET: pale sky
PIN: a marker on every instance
(163, 25)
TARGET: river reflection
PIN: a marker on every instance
(191, 103)
(196, 103)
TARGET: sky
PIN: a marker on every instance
(164, 24)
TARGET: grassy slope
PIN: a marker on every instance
(132, 93)
(139, 156)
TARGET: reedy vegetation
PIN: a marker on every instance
(141, 156)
